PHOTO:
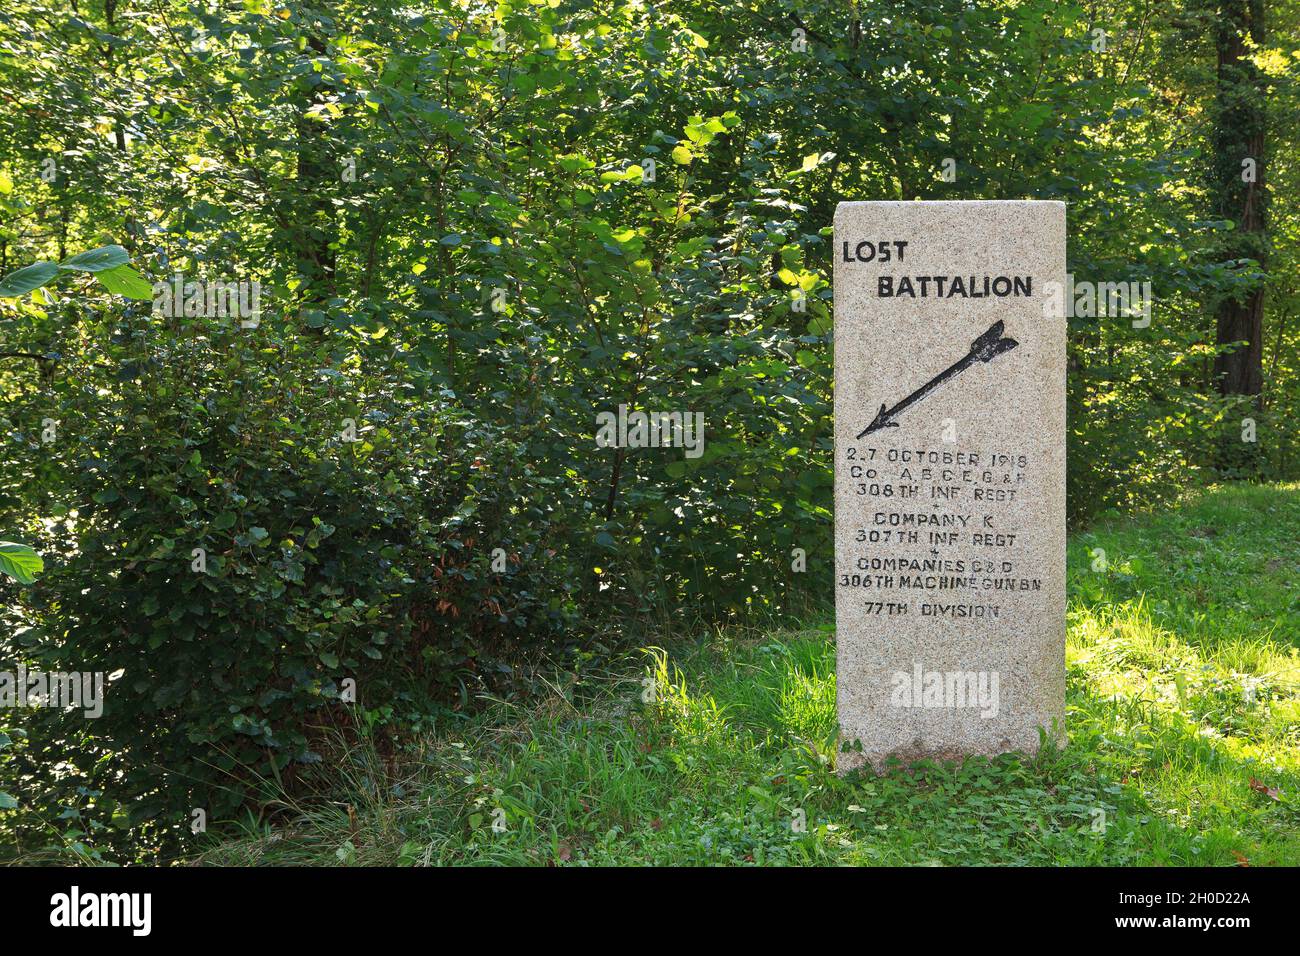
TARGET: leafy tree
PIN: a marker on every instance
(474, 229)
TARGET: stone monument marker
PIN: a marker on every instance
(949, 478)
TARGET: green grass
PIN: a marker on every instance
(1184, 712)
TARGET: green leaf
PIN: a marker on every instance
(26, 279)
(20, 562)
(96, 260)
(126, 281)
(819, 325)
(7, 801)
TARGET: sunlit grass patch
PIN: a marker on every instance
(1183, 696)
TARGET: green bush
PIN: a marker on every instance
(463, 250)
(322, 560)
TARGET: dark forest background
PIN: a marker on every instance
(462, 253)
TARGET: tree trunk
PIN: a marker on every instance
(317, 179)
(1240, 119)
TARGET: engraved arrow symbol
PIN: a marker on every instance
(984, 349)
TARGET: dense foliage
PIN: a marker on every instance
(476, 226)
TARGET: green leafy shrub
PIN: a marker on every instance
(225, 551)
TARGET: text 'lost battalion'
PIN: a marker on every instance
(933, 286)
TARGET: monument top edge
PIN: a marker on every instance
(861, 203)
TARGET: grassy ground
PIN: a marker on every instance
(1184, 723)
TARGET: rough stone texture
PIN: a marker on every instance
(1005, 400)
